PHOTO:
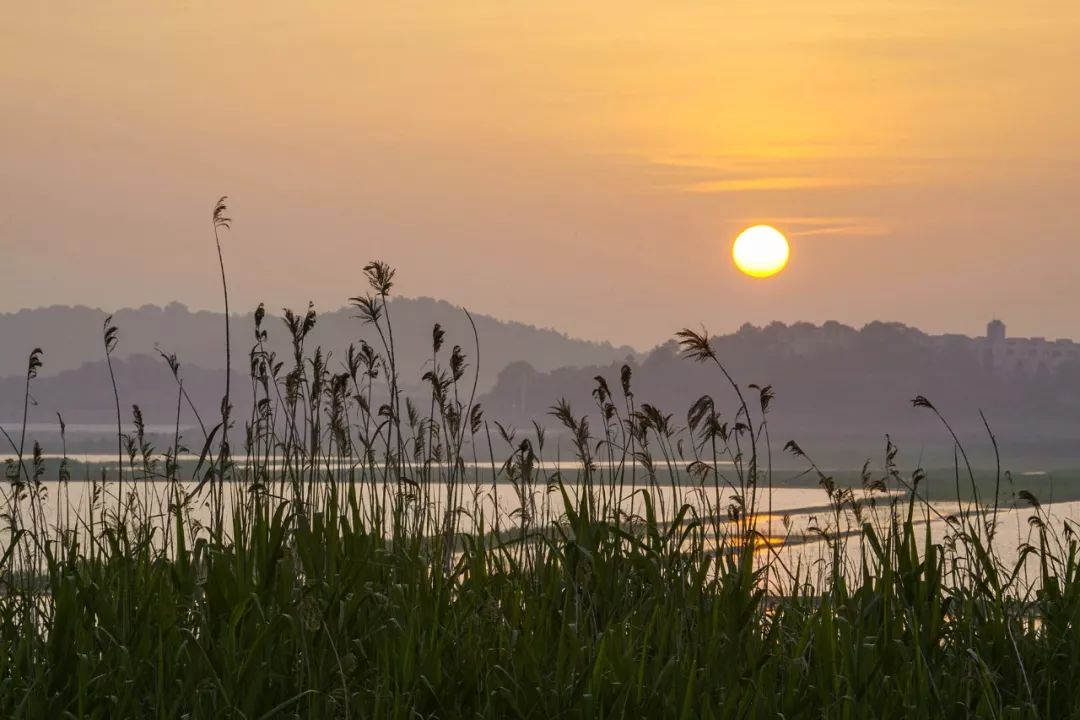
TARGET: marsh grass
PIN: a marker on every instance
(351, 568)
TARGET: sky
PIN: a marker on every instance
(577, 165)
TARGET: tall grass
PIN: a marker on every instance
(354, 565)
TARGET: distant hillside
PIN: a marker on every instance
(841, 390)
(71, 336)
(85, 395)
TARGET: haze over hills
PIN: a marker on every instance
(75, 382)
(838, 389)
(72, 336)
(84, 398)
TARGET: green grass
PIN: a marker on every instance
(319, 578)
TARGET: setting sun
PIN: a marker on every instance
(760, 251)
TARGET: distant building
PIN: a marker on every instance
(995, 331)
(1026, 355)
(995, 350)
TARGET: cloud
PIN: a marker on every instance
(801, 227)
(751, 184)
(778, 172)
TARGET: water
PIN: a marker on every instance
(108, 430)
(789, 532)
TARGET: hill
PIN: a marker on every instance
(72, 336)
(841, 389)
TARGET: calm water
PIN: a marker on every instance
(15, 426)
(795, 513)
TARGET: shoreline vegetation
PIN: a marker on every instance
(347, 567)
(1050, 487)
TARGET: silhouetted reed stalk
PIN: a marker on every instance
(109, 338)
(221, 222)
(356, 563)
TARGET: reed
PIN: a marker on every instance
(355, 564)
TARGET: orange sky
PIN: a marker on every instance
(577, 165)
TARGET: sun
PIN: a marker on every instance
(760, 251)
